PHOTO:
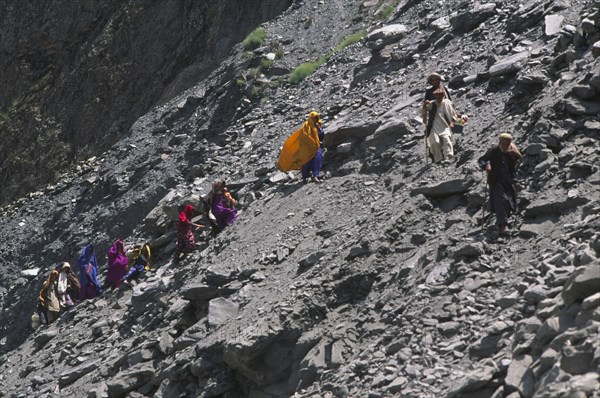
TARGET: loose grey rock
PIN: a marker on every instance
(553, 24)
(74, 374)
(582, 284)
(46, 335)
(509, 64)
(220, 310)
(389, 34)
(476, 14)
(199, 292)
(520, 377)
(444, 189)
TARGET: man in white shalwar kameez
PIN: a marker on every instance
(439, 130)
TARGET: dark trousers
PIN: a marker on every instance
(502, 201)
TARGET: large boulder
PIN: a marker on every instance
(525, 17)
(69, 376)
(469, 20)
(472, 382)
(132, 379)
(168, 208)
(149, 294)
(444, 189)
(548, 205)
(390, 132)
(519, 376)
(344, 130)
(577, 107)
(553, 24)
(221, 310)
(509, 65)
(582, 284)
(45, 336)
(259, 353)
(199, 292)
(379, 38)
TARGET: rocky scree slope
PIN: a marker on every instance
(379, 282)
(76, 75)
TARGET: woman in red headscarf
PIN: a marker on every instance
(117, 264)
(185, 232)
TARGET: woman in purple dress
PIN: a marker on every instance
(117, 264)
(221, 206)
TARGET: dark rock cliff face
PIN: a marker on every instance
(75, 75)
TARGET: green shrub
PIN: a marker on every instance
(351, 39)
(306, 69)
(386, 11)
(253, 73)
(256, 90)
(277, 82)
(255, 39)
(265, 63)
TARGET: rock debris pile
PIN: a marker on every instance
(388, 279)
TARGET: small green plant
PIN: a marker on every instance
(240, 82)
(265, 63)
(256, 91)
(386, 11)
(255, 39)
(279, 53)
(306, 69)
(348, 40)
(253, 73)
(275, 83)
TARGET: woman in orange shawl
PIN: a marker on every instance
(302, 146)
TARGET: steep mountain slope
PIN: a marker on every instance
(75, 76)
(379, 282)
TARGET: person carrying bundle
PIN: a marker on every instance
(439, 127)
(220, 206)
(49, 304)
(140, 260)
